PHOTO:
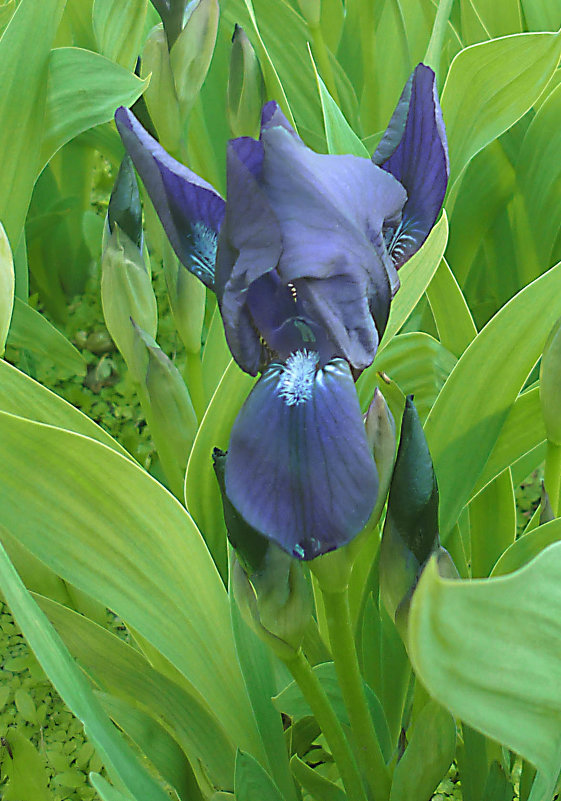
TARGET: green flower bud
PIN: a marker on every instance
(126, 291)
(411, 526)
(275, 602)
(550, 385)
(168, 408)
(246, 87)
(125, 209)
(160, 96)
(192, 51)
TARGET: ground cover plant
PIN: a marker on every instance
(280, 317)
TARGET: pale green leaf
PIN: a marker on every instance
(542, 15)
(118, 26)
(252, 783)
(317, 785)
(493, 510)
(463, 425)
(24, 54)
(498, 666)
(31, 331)
(202, 495)
(84, 90)
(119, 536)
(527, 547)
(490, 86)
(451, 313)
(7, 287)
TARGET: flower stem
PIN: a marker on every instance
(553, 474)
(352, 687)
(315, 695)
(434, 49)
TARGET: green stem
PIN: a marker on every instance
(193, 377)
(553, 474)
(352, 688)
(434, 49)
(329, 724)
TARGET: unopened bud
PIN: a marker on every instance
(550, 385)
(168, 409)
(411, 526)
(275, 602)
(187, 298)
(160, 95)
(126, 291)
(246, 87)
(192, 52)
(125, 209)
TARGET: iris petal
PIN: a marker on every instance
(331, 211)
(190, 209)
(299, 468)
(414, 150)
(249, 248)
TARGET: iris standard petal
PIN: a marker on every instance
(414, 150)
(190, 209)
(249, 248)
(331, 211)
(299, 468)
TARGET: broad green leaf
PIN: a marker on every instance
(24, 54)
(7, 287)
(202, 495)
(106, 791)
(216, 355)
(527, 547)
(70, 108)
(490, 86)
(125, 672)
(22, 396)
(252, 783)
(31, 331)
(317, 785)
(155, 744)
(500, 17)
(118, 26)
(415, 276)
(497, 668)
(487, 186)
(539, 175)
(140, 554)
(256, 663)
(339, 135)
(492, 518)
(542, 15)
(522, 431)
(74, 689)
(418, 364)
(464, 423)
(451, 313)
(429, 753)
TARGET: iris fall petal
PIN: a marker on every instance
(190, 209)
(299, 468)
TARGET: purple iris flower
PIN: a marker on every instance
(303, 257)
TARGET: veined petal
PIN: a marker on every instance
(249, 248)
(331, 211)
(299, 468)
(190, 209)
(414, 150)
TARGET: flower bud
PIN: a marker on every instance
(275, 602)
(246, 87)
(125, 209)
(191, 53)
(126, 291)
(160, 96)
(550, 385)
(168, 408)
(411, 526)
